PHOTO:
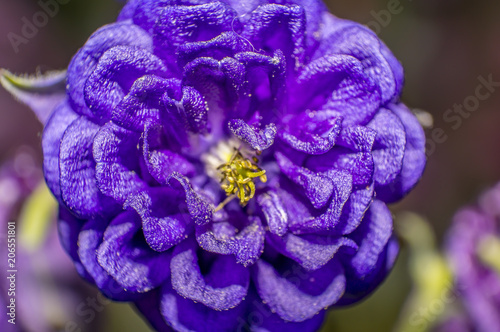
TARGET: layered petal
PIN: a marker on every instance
(414, 158)
(260, 318)
(185, 315)
(53, 132)
(257, 139)
(77, 171)
(274, 211)
(389, 147)
(114, 75)
(295, 294)
(223, 238)
(89, 240)
(117, 160)
(69, 227)
(221, 286)
(207, 21)
(311, 251)
(85, 61)
(312, 132)
(165, 219)
(372, 237)
(350, 38)
(338, 83)
(125, 255)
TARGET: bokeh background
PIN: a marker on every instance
(444, 45)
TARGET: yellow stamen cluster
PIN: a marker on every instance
(238, 175)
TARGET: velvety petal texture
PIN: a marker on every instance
(226, 165)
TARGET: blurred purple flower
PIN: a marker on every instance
(47, 289)
(473, 245)
(226, 165)
(455, 323)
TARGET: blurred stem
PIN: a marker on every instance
(430, 274)
(36, 216)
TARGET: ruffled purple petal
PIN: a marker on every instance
(117, 162)
(372, 236)
(115, 73)
(222, 285)
(164, 222)
(206, 22)
(274, 27)
(160, 161)
(53, 132)
(184, 315)
(389, 147)
(227, 44)
(312, 132)
(89, 240)
(337, 83)
(360, 165)
(350, 38)
(69, 227)
(200, 209)
(318, 188)
(194, 110)
(77, 171)
(258, 139)
(220, 82)
(223, 238)
(359, 288)
(125, 255)
(259, 318)
(274, 212)
(142, 103)
(85, 61)
(310, 251)
(355, 209)
(357, 138)
(413, 161)
(295, 294)
(264, 85)
(327, 220)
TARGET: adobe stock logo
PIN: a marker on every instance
(30, 28)
(455, 116)
(383, 17)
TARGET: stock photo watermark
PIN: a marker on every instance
(427, 315)
(31, 26)
(383, 17)
(11, 271)
(89, 308)
(455, 115)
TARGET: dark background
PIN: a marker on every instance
(444, 45)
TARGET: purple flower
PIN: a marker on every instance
(226, 165)
(47, 290)
(454, 323)
(473, 245)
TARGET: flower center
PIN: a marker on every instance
(236, 168)
(238, 175)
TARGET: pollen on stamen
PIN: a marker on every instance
(237, 169)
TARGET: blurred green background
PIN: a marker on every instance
(444, 45)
